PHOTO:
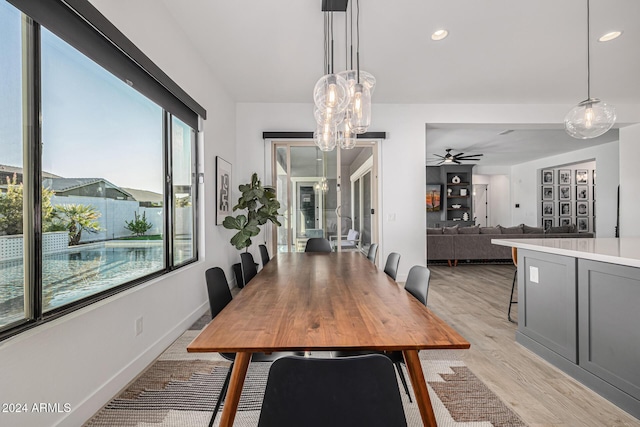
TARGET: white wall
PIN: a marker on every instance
(86, 357)
(629, 181)
(526, 182)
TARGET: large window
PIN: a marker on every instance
(101, 195)
(12, 283)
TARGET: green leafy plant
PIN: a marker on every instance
(261, 206)
(11, 209)
(139, 226)
(76, 219)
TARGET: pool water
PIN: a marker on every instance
(77, 273)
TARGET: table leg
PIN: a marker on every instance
(236, 382)
(419, 384)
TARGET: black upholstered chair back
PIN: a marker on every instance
(218, 289)
(417, 283)
(249, 269)
(264, 254)
(318, 244)
(337, 392)
(373, 251)
(391, 267)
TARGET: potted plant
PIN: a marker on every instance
(260, 206)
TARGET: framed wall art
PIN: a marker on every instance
(582, 208)
(547, 209)
(433, 198)
(582, 176)
(223, 189)
(565, 208)
(565, 192)
(547, 193)
(547, 176)
(564, 176)
(582, 192)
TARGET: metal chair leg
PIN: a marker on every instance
(403, 379)
(223, 394)
(511, 301)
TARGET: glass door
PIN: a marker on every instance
(318, 198)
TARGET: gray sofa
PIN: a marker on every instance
(453, 244)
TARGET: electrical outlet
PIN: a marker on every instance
(138, 326)
(533, 274)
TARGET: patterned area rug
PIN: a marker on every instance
(180, 389)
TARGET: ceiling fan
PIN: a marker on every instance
(456, 158)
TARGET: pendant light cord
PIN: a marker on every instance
(588, 51)
(358, 38)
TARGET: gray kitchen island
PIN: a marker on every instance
(579, 309)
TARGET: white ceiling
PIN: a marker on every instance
(498, 52)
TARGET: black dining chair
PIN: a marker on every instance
(373, 251)
(219, 296)
(264, 254)
(417, 283)
(317, 244)
(314, 392)
(391, 267)
(249, 269)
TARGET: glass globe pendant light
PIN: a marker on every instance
(360, 114)
(346, 138)
(325, 136)
(591, 117)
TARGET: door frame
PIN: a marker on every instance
(271, 146)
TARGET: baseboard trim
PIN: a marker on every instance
(119, 381)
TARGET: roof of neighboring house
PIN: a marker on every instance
(66, 184)
(144, 195)
(18, 170)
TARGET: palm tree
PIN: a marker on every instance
(76, 219)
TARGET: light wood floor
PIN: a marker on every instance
(474, 300)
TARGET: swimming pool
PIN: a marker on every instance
(78, 272)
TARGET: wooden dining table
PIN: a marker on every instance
(324, 302)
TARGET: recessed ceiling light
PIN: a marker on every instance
(439, 35)
(610, 36)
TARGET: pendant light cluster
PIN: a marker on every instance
(342, 100)
(591, 117)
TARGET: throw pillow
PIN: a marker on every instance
(532, 230)
(511, 230)
(474, 229)
(490, 230)
(352, 235)
(434, 230)
(450, 230)
(563, 229)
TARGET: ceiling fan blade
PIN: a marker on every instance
(438, 155)
(458, 155)
(469, 155)
(456, 162)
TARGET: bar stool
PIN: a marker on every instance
(514, 257)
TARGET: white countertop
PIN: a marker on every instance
(622, 251)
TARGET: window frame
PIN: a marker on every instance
(32, 175)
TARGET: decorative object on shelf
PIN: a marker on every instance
(449, 191)
(463, 192)
(455, 180)
(465, 216)
(456, 206)
(342, 100)
(591, 117)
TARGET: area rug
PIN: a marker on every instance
(180, 389)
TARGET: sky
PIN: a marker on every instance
(93, 124)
